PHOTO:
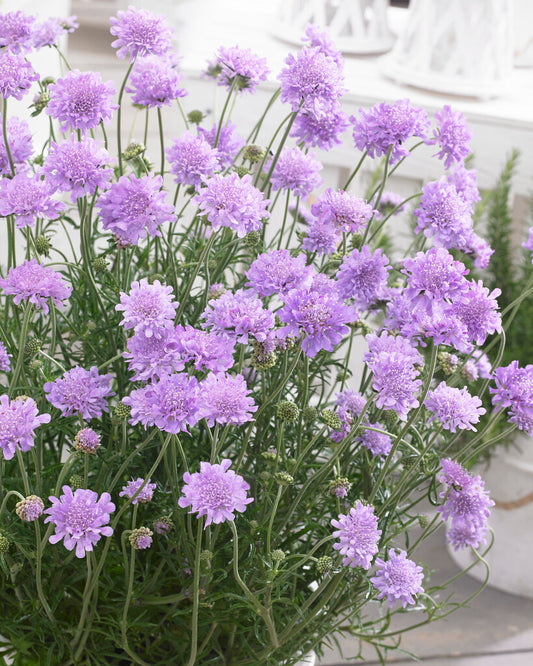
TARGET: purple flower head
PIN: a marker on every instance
(463, 534)
(395, 381)
(444, 215)
(241, 68)
(206, 351)
(141, 538)
(80, 391)
(453, 407)
(33, 282)
(296, 171)
(378, 443)
(225, 399)
(358, 536)
(321, 238)
(155, 81)
(18, 420)
(229, 142)
(398, 579)
(78, 167)
(170, 403)
(514, 391)
(320, 315)
(81, 519)
(152, 357)
(5, 363)
(147, 307)
(140, 33)
(363, 277)
(312, 82)
(20, 145)
(192, 160)
(81, 101)
(388, 343)
(343, 211)
(216, 492)
(476, 308)
(479, 249)
(30, 509)
(323, 132)
(454, 474)
(16, 75)
(27, 197)
(133, 208)
(239, 316)
(452, 136)
(528, 244)
(277, 271)
(87, 441)
(465, 182)
(50, 31)
(316, 36)
(350, 405)
(387, 127)
(230, 201)
(163, 525)
(467, 501)
(16, 32)
(132, 488)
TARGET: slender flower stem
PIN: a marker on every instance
(196, 594)
(21, 344)
(161, 141)
(119, 117)
(355, 171)
(6, 138)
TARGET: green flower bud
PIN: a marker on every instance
(38, 160)
(277, 555)
(35, 364)
(195, 117)
(4, 544)
(310, 414)
(324, 564)
(48, 80)
(357, 241)
(270, 454)
(190, 191)
(447, 362)
(331, 419)
(253, 153)
(156, 276)
(212, 265)
(288, 411)
(423, 520)
(339, 487)
(241, 171)
(252, 238)
(133, 150)
(40, 102)
(284, 478)
(121, 411)
(32, 347)
(76, 481)
(141, 538)
(390, 417)
(262, 361)
(43, 245)
(254, 526)
(99, 265)
(206, 556)
(265, 476)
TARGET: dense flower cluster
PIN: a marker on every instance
(33, 282)
(358, 536)
(80, 391)
(18, 420)
(155, 81)
(240, 68)
(398, 578)
(27, 198)
(140, 33)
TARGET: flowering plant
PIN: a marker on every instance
(180, 419)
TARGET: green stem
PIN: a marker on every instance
(21, 345)
(196, 594)
(119, 117)
(6, 140)
(161, 141)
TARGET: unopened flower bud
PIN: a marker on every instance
(241, 171)
(212, 265)
(270, 454)
(163, 525)
(324, 564)
(390, 416)
(252, 238)
(43, 245)
(87, 441)
(4, 544)
(423, 520)
(447, 362)
(288, 411)
(357, 241)
(99, 265)
(284, 478)
(141, 538)
(277, 555)
(253, 153)
(331, 419)
(35, 364)
(265, 476)
(29, 509)
(121, 411)
(310, 414)
(195, 117)
(254, 525)
(339, 487)
(48, 80)
(215, 290)
(133, 150)
(31, 348)
(206, 556)
(76, 481)
(156, 276)
(40, 102)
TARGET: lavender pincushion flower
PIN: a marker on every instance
(321, 238)
(358, 536)
(229, 142)
(434, 275)
(49, 32)
(80, 519)
(135, 207)
(395, 381)
(342, 210)
(452, 136)
(465, 498)
(234, 202)
(132, 487)
(33, 282)
(296, 171)
(19, 139)
(193, 160)
(140, 33)
(16, 30)
(477, 309)
(81, 101)
(30, 508)
(28, 198)
(363, 277)
(78, 167)
(463, 534)
(453, 407)
(80, 391)
(18, 420)
(514, 390)
(241, 68)
(155, 81)
(5, 363)
(152, 357)
(225, 399)
(87, 441)
(528, 244)
(378, 443)
(16, 75)
(147, 307)
(323, 132)
(398, 578)
(207, 351)
(216, 492)
(277, 271)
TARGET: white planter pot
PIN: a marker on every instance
(510, 481)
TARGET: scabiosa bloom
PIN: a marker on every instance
(27, 197)
(78, 167)
(5, 363)
(80, 391)
(229, 142)
(463, 534)
(358, 536)
(363, 277)
(342, 210)
(30, 509)
(398, 579)
(318, 37)
(476, 308)
(49, 32)
(207, 351)
(163, 525)
(192, 160)
(455, 408)
(134, 207)
(18, 420)
(514, 390)
(171, 403)
(528, 244)
(479, 249)
(216, 492)
(33, 282)
(20, 145)
(378, 443)
(395, 381)
(147, 307)
(87, 441)
(16, 31)
(296, 171)
(241, 68)
(465, 498)
(465, 182)
(312, 81)
(443, 215)
(239, 316)
(387, 127)
(81, 100)
(81, 519)
(133, 486)
(230, 201)
(141, 538)
(225, 399)
(152, 357)
(277, 271)
(155, 81)
(16, 75)
(388, 343)
(323, 132)
(452, 136)
(320, 315)
(140, 33)
(321, 238)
